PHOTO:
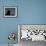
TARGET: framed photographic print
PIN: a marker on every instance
(33, 32)
(10, 11)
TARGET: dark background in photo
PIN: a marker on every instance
(9, 11)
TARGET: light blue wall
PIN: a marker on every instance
(29, 12)
(7, 25)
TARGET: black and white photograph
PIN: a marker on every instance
(10, 11)
(31, 34)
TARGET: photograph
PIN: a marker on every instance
(10, 11)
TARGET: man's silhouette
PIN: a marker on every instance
(8, 12)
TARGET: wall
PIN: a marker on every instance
(32, 11)
(29, 12)
(7, 25)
